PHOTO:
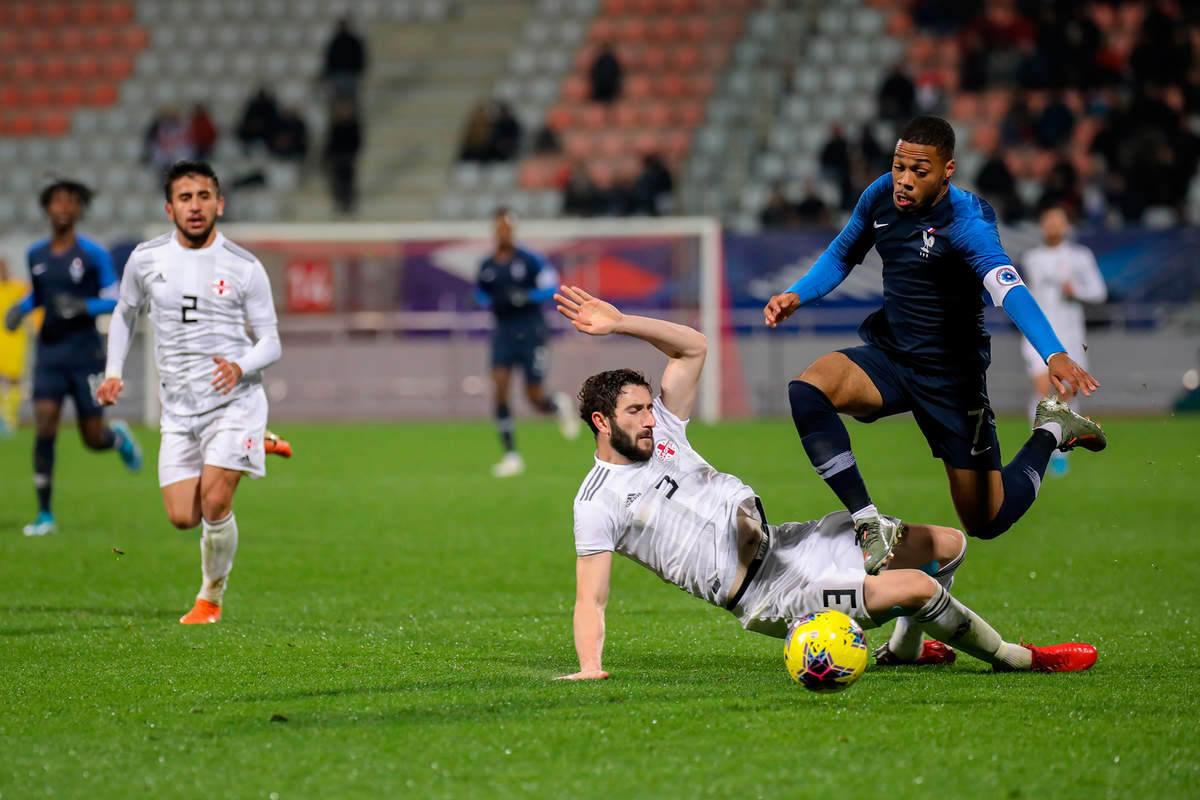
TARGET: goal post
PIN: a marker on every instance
(378, 319)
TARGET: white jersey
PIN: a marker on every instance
(201, 303)
(1046, 270)
(674, 514)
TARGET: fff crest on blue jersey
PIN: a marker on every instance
(76, 269)
(928, 240)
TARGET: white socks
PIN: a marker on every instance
(905, 643)
(947, 620)
(218, 543)
(865, 513)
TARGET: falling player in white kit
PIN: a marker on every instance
(203, 292)
(1062, 275)
(655, 500)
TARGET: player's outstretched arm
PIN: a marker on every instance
(686, 347)
(592, 574)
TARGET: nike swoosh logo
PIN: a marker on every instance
(882, 224)
(975, 452)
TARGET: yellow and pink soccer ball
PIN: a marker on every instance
(825, 651)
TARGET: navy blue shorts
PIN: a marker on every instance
(525, 349)
(54, 381)
(952, 410)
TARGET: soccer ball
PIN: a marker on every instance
(825, 651)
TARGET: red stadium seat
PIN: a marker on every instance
(118, 66)
(10, 41)
(54, 124)
(657, 115)
(666, 29)
(71, 39)
(88, 13)
(611, 143)
(535, 173)
(686, 58)
(577, 145)
(39, 40)
(696, 28)
(53, 68)
(594, 116)
(23, 69)
(37, 95)
(627, 115)
(119, 13)
(602, 173)
(85, 67)
(673, 86)
(53, 14)
(654, 59)
(604, 30)
(639, 87)
(20, 124)
(702, 85)
(10, 96)
(23, 15)
(69, 95)
(689, 115)
(560, 117)
(102, 94)
(102, 39)
(134, 39)
(633, 29)
(676, 144)
(575, 89)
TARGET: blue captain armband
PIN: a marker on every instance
(1007, 289)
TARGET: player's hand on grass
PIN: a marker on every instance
(108, 392)
(226, 375)
(1068, 377)
(588, 314)
(584, 675)
(13, 317)
(780, 307)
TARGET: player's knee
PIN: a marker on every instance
(805, 398)
(215, 503)
(988, 530)
(183, 519)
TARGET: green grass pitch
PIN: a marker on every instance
(395, 617)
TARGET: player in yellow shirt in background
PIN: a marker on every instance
(13, 347)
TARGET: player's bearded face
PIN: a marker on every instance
(920, 176)
(636, 445)
(194, 208)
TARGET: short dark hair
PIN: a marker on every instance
(931, 131)
(181, 169)
(601, 392)
(80, 190)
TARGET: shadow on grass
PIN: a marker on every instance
(93, 611)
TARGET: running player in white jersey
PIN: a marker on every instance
(1062, 275)
(652, 498)
(202, 293)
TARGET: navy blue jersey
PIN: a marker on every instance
(516, 288)
(84, 272)
(933, 270)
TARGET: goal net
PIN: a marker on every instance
(378, 321)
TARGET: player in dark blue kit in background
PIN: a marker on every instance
(513, 283)
(927, 350)
(74, 281)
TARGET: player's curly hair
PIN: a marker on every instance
(80, 190)
(181, 169)
(933, 132)
(601, 392)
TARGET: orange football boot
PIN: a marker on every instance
(273, 445)
(1067, 657)
(932, 652)
(202, 612)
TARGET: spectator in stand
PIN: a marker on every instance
(203, 132)
(811, 210)
(997, 185)
(972, 63)
(259, 120)
(605, 75)
(546, 142)
(1055, 124)
(167, 140)
(581, 197)
(506, 134)
(477, 138)
(341, 154)
(345, 63)
(777, 213)
(835, 164)
(652, 187)
(290, 141)
(897, 95)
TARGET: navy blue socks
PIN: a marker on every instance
(1022, 478)
(827, 443)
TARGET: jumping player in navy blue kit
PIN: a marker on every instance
(74, 281)
(513, 283)
(927, 350)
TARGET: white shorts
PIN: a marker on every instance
(230, 437)
(809, 567)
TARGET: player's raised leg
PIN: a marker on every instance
(46, 414)
(831, 384)
(949, 621)
(115, 436)
(990, 502)
(274, 445)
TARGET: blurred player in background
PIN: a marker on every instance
(13, 345)
(1062, 275)
(74, 282)
(203, 292)
(927, 350)
(651, 497)
(513, 283)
